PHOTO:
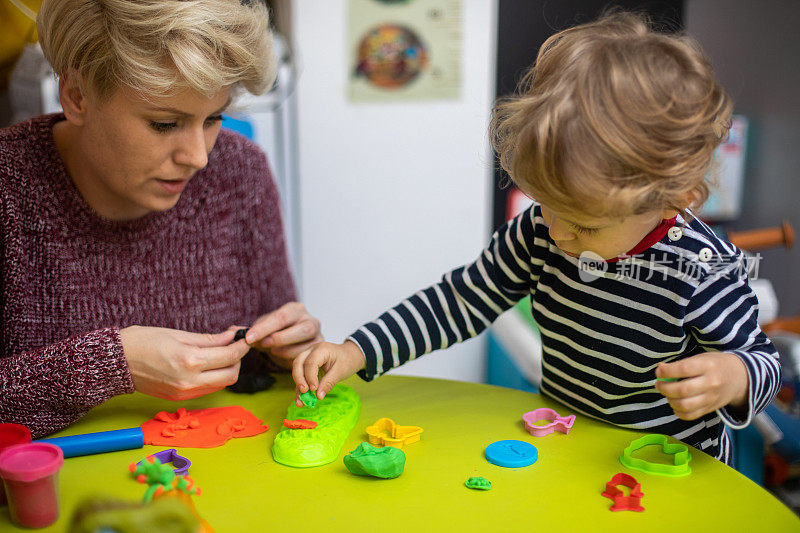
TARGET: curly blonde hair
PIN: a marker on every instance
(613, 118)
(159, 47)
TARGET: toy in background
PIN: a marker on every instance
(779, 424)
(163, 516)
(11, 434)
(163, 483)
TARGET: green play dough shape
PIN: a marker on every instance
(335, 417)
(367, 460)
(478, 483)
(309, 399)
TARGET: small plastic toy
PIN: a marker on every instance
(335, 418)
(180, 465)
(163, 483)
(300, 423)
(30, 472)
(557, 422)
(511, 453)
(367, 460)
(680, 466)
(478, 483)
(309, 398)
(100, 442)
(159, 478)
(11, 434)
(631, 502)
(385, 432)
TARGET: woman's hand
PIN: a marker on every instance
(707, 382)
(285, 333)
(338, 361)
(178, 365)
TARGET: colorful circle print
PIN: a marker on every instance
(391, 56)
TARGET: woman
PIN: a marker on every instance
(131, 225)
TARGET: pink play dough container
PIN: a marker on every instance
(30, 474)
(11, 434)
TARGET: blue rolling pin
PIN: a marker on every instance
(101, 442)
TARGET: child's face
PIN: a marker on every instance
(608, 237)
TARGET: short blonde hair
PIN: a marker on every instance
(613, 118)
(159, 47)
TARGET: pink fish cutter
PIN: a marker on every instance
(557, 422)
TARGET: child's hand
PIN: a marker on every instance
(708, 381)
(338, 361)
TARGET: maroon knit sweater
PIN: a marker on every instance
(70, 280)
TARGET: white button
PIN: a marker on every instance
(674, 233)
(705, 255)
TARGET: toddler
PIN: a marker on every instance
(646, 316)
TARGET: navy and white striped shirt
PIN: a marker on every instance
(604, 330)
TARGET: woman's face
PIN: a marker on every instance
(129, 156)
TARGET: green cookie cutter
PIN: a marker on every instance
(335, 417)
(680, 452)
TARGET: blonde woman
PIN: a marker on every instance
(136, 234)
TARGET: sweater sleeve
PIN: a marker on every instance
(50, 388)
(464, 303)
(723, 316)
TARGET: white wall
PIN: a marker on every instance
(391, 195)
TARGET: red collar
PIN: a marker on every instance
(649, 240)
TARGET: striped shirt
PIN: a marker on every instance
(604, 327)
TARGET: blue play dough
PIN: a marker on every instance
(511, 453)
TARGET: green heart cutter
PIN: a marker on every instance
(680, 453)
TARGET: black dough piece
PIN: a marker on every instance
(240, 334)
(250, 383)
(250, 378)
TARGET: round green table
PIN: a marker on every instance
(244, 489)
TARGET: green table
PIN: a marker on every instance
(245, 490)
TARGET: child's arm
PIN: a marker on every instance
(457, 308)
(739, 374)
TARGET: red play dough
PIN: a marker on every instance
(201, 428)
(300, 423)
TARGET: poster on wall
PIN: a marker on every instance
(404, 50)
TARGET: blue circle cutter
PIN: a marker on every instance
(511, 453)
